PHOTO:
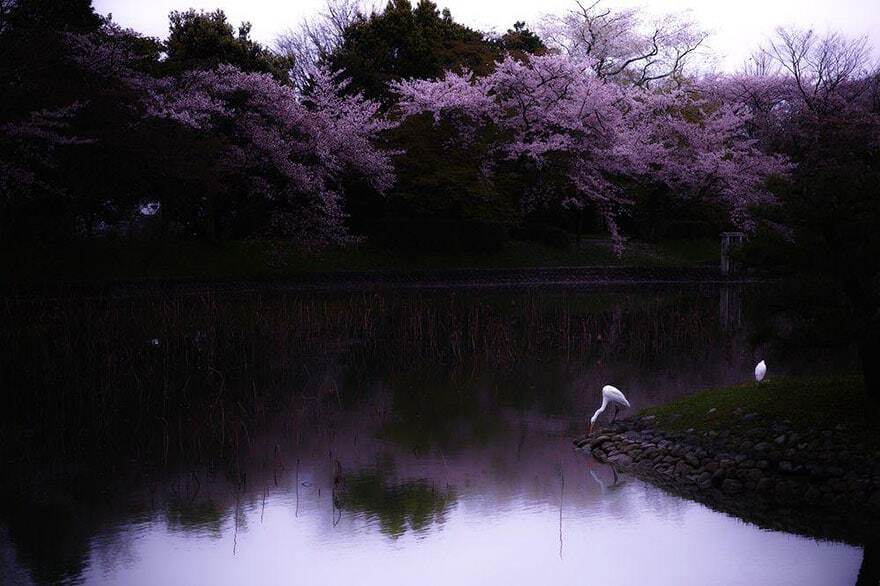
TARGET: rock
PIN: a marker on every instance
(731, 486)
(753, 474)
(780, 440)
(781, 489)
(762, 446)
(620, 459)
(874, 501)
(712, 410)
(786, 466)
(834, 471)
(682, 469)
(692, 460)
(837, 485)
(750, 416)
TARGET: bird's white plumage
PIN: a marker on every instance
(610, 395)
(760, 371)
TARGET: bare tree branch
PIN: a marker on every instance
(623, 45)
(313, 40)
(824, 69)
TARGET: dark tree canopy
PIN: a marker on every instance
(203, 40)
(520, 41)
(49, 15)
(833, 205)
(405, 42)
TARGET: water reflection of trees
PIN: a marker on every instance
(89, 396)
(196, 515)
(398, 507)
(85, 372)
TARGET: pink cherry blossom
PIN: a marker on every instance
(681, 138)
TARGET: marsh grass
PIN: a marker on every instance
(160, 378)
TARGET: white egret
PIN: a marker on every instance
(760, 371)
(613, 396)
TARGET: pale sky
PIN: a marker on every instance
(736, 26)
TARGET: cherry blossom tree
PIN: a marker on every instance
(27, 158)
(626, 44)
(607, 134)
(288, 152)
(294, 151)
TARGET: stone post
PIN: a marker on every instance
(729, 242)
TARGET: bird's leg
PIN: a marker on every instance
(613, 417)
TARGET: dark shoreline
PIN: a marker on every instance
(520, 278)
(768, 475)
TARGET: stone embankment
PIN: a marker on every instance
(821, 483)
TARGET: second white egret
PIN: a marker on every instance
(760, 371)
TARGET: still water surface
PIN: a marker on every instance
(402, 453)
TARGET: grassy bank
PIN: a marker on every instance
(807, 404)
(791, 454)
(108, 260)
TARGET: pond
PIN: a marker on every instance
(394, 438)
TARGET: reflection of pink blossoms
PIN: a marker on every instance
(606, 131)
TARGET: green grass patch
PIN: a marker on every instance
(810, 404)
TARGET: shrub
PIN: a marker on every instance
(546, 234)
(438, 235)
